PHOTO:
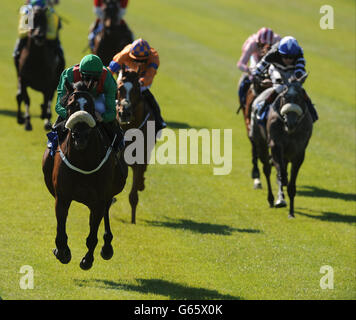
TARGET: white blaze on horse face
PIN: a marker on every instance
(82, 102)
(128, 86)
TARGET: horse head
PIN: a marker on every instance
(39, 30)
(80, 114)
(292, 106)
(129, 95)
(111, 10)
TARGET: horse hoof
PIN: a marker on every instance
(20, 120)
(107, 252)
(28, 127)
(257, 184)
(48, 126)
(63, 256)
(86, 264)
(291, 216)
(280, 203)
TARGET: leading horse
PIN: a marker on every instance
(115, 34)
(83, 169)
(39, 68)
(288, 130)
(134, 113)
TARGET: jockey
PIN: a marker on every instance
(101, 85)
(252, 51)
(53, 26)
(97, 25)
(286, 56)
(139, 56)
(52, 34)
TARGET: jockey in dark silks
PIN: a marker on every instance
(102, 86)
(285, 56)
(53, 27)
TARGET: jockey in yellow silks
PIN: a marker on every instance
(53, 26)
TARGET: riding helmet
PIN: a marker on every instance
(40, 3)
(140, 50)
(265, 35)
(289, 46)
(91, 65)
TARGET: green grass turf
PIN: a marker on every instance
(198, 236)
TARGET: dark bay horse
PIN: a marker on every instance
(288, 130)
(83, 169)
(253, 91)
(134, 113)
(40, 69)
(115, 34)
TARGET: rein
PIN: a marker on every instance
(69, 165)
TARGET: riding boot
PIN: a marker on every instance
(20, 44)
(159, 122)
(113, 128)
(59, 127)
(311, 107)
(264, 105)
(243, 88)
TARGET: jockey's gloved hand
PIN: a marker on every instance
(98, 116)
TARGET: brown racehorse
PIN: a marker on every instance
(39, 69)
(115, 34)
(134, 113)
(288, 130)
(83, 169)
(254, 90)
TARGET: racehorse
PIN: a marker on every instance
(288, 130)
(253, 91)
(38, 68)
(134, 113)
(83, 169)
(115, 34)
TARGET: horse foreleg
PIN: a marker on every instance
(19, 99)
(137, 185)
(255, 171)
(96, 215)
(26, 99)
(264, 157)
(107, 250)
(46, 111)
(281, 167)
(292, 183)
(62, 251)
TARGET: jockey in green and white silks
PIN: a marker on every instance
(100, 84)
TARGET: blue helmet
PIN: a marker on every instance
(40, 3)
(289, 46)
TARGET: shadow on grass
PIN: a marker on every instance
(13, 113)
(180, 125)
(330, 217)
(169, 289)
(199, 227)
(8, 113)
(311, 191)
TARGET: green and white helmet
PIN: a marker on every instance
(91, 65)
